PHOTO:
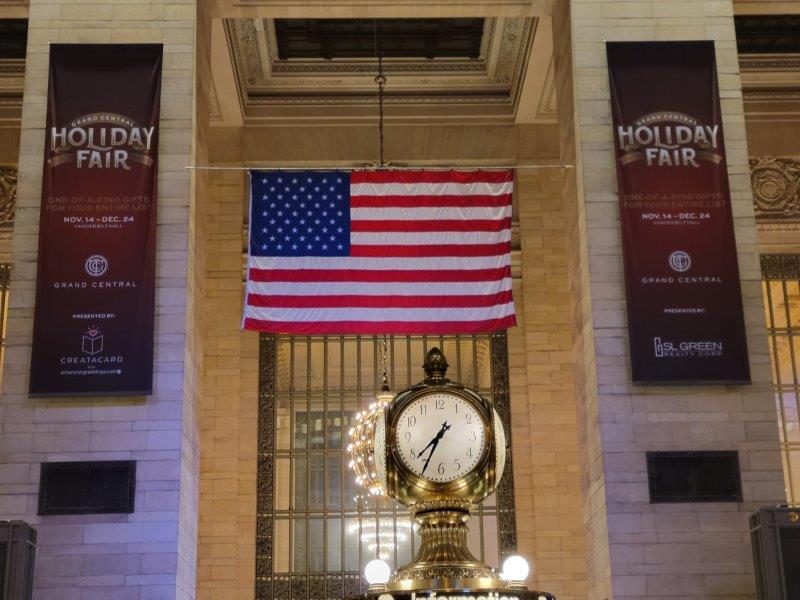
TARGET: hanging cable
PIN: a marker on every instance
(380, 79)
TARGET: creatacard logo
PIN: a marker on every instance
(669, 139)
(92, 342)
(685, 349)
(101, 141)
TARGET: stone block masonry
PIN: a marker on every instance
(150, 553)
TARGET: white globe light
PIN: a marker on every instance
(377, 572)
(515, 568)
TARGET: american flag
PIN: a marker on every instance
(374, 252)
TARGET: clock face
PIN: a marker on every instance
(440, 437)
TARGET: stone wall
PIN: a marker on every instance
(544, 420)
(639, 550)
(148, 554)
(229, 404)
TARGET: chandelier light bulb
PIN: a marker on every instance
(515, 569)
(377, 572)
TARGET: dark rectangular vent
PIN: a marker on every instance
(13, 38)
(73, 488)
(694, 476)
(362, 38)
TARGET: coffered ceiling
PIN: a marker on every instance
(462, 75)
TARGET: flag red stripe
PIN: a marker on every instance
(350, 301)
(381, 327)
(443, 225)
(428, 250)
(428, 201)
(386, 275)
(441, 176)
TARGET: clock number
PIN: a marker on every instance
(440, 405)
(472, 436)
(469, 452)
(458, 465)
(412, 420)
(469, 418)
(408, 436)
(413, 454)
(423, 409)
(440, 469)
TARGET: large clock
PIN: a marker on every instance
(440, 436)
(439, 448)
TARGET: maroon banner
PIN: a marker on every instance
(95, 285)
(685, 319)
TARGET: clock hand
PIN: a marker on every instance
(435, 439)
(435, 442)
(430, 455)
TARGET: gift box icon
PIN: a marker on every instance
(92, 342)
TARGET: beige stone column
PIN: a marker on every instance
(547, 477)
(150, 553)
(637, 549)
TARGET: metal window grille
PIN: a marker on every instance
(315, 532)
(780, 275)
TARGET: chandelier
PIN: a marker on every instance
(382, 535)
(362, 434)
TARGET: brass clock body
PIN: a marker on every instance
(440, 450)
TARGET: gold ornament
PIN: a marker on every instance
(441, 481)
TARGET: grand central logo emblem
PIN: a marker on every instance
(96, 265)
(101, 141)
(669, 139)
(680, 261)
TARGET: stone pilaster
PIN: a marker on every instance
(150, 553)
(636, 549)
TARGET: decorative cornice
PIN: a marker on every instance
(760, 62)
(776, 187)
(782, 95)
(770, 85)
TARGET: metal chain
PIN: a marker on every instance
(380, 79)
(385, 360)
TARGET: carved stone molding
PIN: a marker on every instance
(12, 82)
(8, 195)
(770, 86)
(776, 187)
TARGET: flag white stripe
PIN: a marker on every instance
(366, 263)
(431, 189)
(412, 238)
(346, 288)
(306, 315)
(430, 213)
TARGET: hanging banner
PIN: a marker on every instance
(685, 317)
(95, 285)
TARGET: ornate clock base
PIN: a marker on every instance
(444, 562)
